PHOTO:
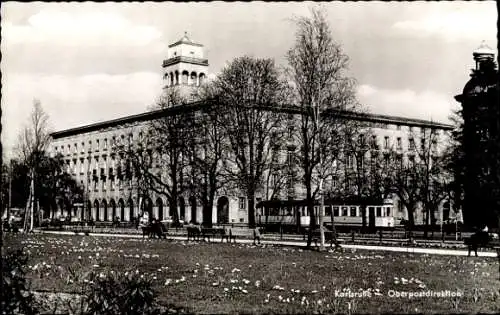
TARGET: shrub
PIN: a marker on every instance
(16, 297)
(112, 293)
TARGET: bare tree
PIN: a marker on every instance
(158, 160)
(32, 144)
(34, 138)
(366, 168)
(207, 153)
(434, 177)
(421, 178)
(249, 92)
(317, 70)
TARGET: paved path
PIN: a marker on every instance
(413, 250)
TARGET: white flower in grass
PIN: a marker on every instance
(244, 291)
(246, 281)
(314, 291)
(215, 284)
(95, 266)
(257, 283)
(168, 281)
(233, 280)
(226, 290)
(280, 298)
(235, 270)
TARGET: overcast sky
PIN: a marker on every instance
(89, 62)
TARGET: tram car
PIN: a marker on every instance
(293, 215)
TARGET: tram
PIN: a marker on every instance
(346, 214)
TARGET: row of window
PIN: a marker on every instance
(97, 145)
(338, 211)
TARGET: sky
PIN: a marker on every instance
(91, 62)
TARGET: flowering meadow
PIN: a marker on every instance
(200, 277)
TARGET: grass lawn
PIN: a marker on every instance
(223, 278)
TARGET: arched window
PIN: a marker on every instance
(105, 209)
(185, 77)
(194, 78)
(201, 78)
(96, 216)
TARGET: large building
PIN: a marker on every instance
(87, 153)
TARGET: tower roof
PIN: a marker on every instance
(483, 49)
(185, 40)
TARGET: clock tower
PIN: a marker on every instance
(185, 68)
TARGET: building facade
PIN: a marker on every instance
(481, 124)
(89, 158)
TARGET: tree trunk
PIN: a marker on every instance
(363, 219)
(427, 219)
(312, 217)
(208, 210)
(251, 208)
(411, 221)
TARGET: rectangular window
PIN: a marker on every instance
(105, 144)
(386, 142)
(336, 211)
(379, 211)
(82, 166)
(398, 127)
(350, 161)
(411, 160)
(75, 148)
(344, 211)
(399, 160)
(399, 143)
(328, 211)
(374, 142)
(353, 211)
(112, 184)
(289, 158)
(97, 145)
(388, 211)
(243, 203)
(411, 144)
